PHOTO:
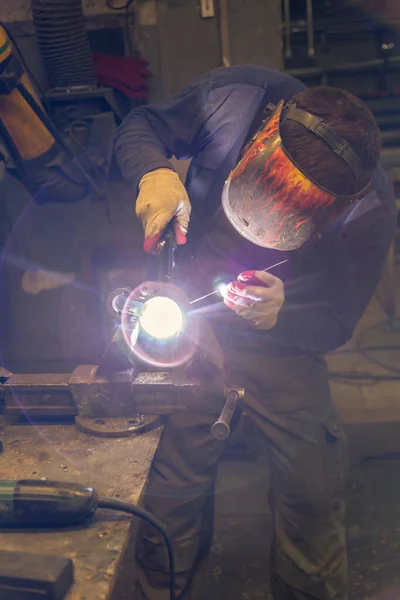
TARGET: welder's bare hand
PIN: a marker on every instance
(162, 198)
(256, 296)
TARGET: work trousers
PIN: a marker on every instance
(288, 400)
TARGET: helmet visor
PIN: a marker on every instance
(270, 201)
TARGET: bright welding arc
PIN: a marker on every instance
(220, 287)
(161, 318)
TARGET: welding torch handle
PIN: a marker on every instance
(166, 251)
(221, 429)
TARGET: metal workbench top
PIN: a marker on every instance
(116, 467)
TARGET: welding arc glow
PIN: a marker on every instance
(161, 318)
(222, 287)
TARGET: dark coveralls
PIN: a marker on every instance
(328, 283)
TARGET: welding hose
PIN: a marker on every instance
(63, 43)
(114, 504)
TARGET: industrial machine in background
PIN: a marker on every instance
(31, 143)
(57, 140)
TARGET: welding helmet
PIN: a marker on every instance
(270, 200)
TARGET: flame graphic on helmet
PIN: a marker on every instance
(284, 197)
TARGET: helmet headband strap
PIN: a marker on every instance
(318, 127)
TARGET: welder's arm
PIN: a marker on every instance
(325, 318)
(144, 143)
(150, 135)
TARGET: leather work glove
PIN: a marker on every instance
(162, 197)
(257, 296)
(34, 282)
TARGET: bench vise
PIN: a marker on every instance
(87, 393)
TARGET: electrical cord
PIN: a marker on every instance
(120, 505)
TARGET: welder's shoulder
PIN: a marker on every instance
(384, 191)
(375, 212)
(249, 75)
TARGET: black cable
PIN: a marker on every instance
(114, 504)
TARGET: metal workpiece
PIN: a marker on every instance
(152, 346)
(116, 301)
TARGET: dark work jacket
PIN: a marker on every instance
(329, 281)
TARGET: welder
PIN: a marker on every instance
(277, 171)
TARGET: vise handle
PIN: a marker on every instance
(221, 429)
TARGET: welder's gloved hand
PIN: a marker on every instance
(162, 198)
(34, 282)
(257, 296)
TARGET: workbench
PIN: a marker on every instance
(102, 550)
